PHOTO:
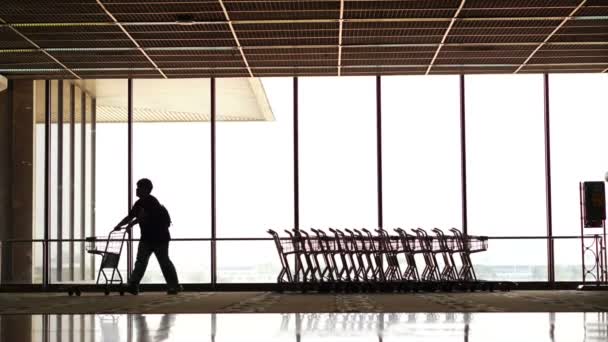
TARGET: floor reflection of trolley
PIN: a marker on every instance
(109, 249)
(110, 331)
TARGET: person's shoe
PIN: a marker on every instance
(132, 289)
(175, 290)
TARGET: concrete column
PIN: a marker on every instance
(17, 146)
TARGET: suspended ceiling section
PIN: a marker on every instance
(244, 38)
(156, 100)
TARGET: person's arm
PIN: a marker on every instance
(130, 220)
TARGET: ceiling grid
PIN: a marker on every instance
(131, 38)
(445, 35)
(564, 20)
(236, 39)
(245, 38)
(39, 49)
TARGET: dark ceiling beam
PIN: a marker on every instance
(445, 36)
(130, 37)
(236, 38)
(564, 20)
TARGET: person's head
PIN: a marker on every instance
(144, 187)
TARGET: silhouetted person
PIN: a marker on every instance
(154, 222)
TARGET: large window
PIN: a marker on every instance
(338, 175)
(579, 137)
(505, 163)
(337, 160)
(421, 152)
(171, 147)
(254, 175)
(111, 158)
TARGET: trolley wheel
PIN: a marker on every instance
(122, 292)
(70, 293)
(77, 292)
(106, 292)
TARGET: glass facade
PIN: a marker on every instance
(220, 228)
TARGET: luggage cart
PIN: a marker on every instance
(302, 249)
(430, 272)
(346, 268)
(390, 247)
(356, 245)
(464, 246)
(409, 249)
(328, 252)
(445, 247)
(285, 248)
(375, 246)
(368, 252)
(109, 249)
(312, 250)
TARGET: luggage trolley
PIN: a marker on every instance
(109, 249)
(431, 270)
(409, 249)
(285, 248)
(445, 247)
(465, 246)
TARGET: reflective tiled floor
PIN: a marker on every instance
(421, 327)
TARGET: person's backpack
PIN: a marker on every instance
(164, 217)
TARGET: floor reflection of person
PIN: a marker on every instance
(162, 333)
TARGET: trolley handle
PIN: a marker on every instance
(352, 234)
(439, 232)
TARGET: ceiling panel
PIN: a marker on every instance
(282, 9)
(594, 30)
(11, 40)
(489, 52)
(291, 34)
(490, 69)
(399, 9)
(26, 60)
(304, 71)
(198, 73)
(61, 11)
(384, 70)
(393, 32)
(292, 57)
(565, 68)
(119, 74)
(165, 11)
(501, 31)
(594, 8)
(576, 53)
(517, 8)
(36, 73)
(102, 59)
(187, 59)
(76, 36)
(207, 35)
